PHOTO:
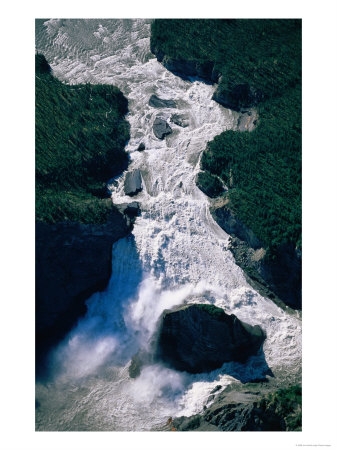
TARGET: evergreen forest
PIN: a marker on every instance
(262, 168)
(80, 135)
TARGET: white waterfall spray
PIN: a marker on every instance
(177, 252)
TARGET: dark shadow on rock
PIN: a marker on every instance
(202, 339)
(199, 338)
(115, 286)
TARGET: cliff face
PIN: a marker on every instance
(76, 152)
(229, 221)
(187, 68)
(278, 278)
(240, 97)
(73, 261)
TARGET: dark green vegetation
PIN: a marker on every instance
(209, 184)
(287, 404)
(80, 137)
(263, 168)
(264, 54)
(260, 64)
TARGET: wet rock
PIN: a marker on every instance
(229, 221)
(240, 97)
(179, 120)
(157, 102)
(216, 389)
(188, 68)
(132, 209)
(279, 278)
(129, 209)
(200, 338)
(139, 360)
(141, 147)
(161, 128)
(133, 183)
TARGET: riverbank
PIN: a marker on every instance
(177, 255)
(248, 407)
(260, 164)
(80, 137)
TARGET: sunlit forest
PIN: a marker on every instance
(262, 169)
(80, 137)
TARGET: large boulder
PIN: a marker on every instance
(179, 120)
(200, 338)
(157, 102)
(132, 209)
(133, 183)
(141, 147)
(161, 128)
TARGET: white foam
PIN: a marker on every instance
(179, 254)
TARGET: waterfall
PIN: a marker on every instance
(177, 253)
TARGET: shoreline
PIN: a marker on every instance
(262, 276)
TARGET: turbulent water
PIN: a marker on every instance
(177, 254)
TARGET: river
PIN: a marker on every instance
(176, 254)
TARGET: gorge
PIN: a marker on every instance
(176, 254)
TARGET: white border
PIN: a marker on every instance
(17, 233)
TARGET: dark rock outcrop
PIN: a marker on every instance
(141, 147)
(130, 211)
(234, 417)
(179, 120)
(188, 68)
(157, 102)
(200, 338)
(161, 128)
(133, 183)
(139, 360)
(72, 262)
(278, 278)
(248, 408)
(239, 97)
(228, 220)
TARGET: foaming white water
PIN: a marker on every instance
(177, 253)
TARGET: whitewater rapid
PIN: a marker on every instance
(176, 254)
